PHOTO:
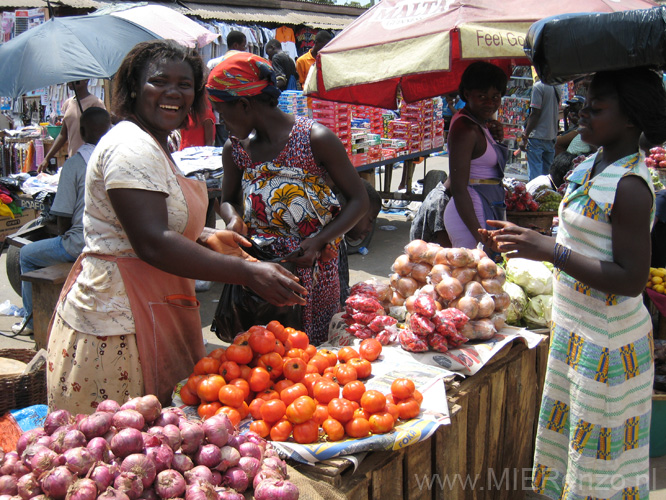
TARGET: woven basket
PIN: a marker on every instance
(19, 391)
(540, 221)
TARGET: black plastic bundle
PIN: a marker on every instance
(568, 46)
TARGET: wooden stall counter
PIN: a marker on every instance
(486, 452)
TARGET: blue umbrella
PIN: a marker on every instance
(65, 49)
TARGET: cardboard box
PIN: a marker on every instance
(10, 226)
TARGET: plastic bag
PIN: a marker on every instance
(567, 46)
(240, 308)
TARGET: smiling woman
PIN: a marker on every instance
(129, 324)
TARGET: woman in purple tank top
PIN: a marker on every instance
(476, 159)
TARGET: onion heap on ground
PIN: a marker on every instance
(141, 451)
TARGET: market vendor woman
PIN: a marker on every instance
(129, 323)
(274, 187)
(594, 425)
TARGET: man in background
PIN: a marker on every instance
(283, 65)
(541, 129)
(236, 41)
(68, 208)
(306, 61)
(72, 109)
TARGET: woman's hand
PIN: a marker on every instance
(520, 242)
(228, 243)
(307, 254)
(275, 284)
(237, 225)
(496, 129)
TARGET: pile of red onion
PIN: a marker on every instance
(141, 451)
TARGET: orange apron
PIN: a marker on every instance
(164, 306)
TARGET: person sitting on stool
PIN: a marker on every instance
(68, 207)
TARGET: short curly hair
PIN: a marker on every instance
(482, 75)
(127, 79)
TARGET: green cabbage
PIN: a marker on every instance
(538, 310)
(518, 302)
(533, 276)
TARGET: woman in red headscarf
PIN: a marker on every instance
(274, 187)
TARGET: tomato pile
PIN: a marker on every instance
(291, 389)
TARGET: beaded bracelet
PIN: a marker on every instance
(560, 256)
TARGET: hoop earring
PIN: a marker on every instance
(133, 95)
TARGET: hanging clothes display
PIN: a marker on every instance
(305, 40)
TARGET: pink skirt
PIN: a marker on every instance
(460, 236)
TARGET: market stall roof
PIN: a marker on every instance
(267, 15)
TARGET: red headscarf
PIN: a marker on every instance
(241, 74)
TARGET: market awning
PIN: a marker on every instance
(258, 15)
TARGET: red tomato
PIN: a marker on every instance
(280, 385)
(189, 398)
(370, 349)
(279, 347)
(241, 338)
(340, 409)
(306, 432)
(273, 410)
(292, 392)
(347, 353)
(209, 387)
(381, 422)
(297, 353)
(333, 429)
(402, 388)
(239, 353)
(261, 427)
(310, 350)
(357, 427)
(261, 341)
(320, 414)
(320, 362)
(255, 408)
(268, 394)
(260, 379)
(278, 330)
(218, 354)
(242, 384)
(345, 373)
(329, 355)
(193, 382)
(325, 390)
(353, 390)
(373, 401)
(301, 410)
(232, 413)
(229, 370)
(230, 395)
(246, 371)
(281, 430)
(418, 396)
(408, 408)
(298, 339)
(309, 381)
(243, 410)
(272, 362)
(294, 369)
(207, 410)
(362, 366)
(206, 365)
(393, 410)
(360, 412)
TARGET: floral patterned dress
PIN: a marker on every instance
(286, 201)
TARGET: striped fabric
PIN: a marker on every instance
(593, 435)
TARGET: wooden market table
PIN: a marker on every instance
(490, 440)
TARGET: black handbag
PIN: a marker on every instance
(240, 308)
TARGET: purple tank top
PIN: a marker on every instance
(485, 166)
